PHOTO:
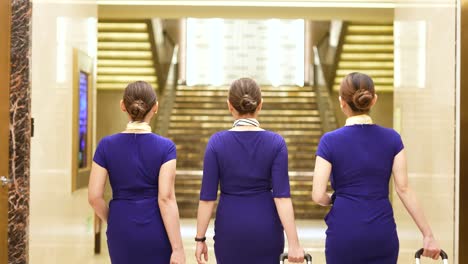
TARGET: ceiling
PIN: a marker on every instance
(367, 10)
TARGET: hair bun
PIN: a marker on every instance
(247, 103)
(138, 109)
(362, 100)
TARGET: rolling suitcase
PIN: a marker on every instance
(419, 253)
(307, 257)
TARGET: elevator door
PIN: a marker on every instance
(4, 125)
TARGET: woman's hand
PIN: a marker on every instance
(178, 256)
(431, 247)
(296, 254)
(202, 249)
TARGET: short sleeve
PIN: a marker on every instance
(398, 144)
(99, 154)
(210, 181)
(279, 173)
(323, 149)
(171, 152)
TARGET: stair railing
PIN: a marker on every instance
(162, 46)
(168, 94)
(323, 95)
(336, 57)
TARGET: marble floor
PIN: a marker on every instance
(62, 232)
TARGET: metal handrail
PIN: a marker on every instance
(324, 102)
(168, 94)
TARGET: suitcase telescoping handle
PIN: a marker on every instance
(419, 253)
(307, 257)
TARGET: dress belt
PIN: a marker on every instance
(135, 194)
(357, 196)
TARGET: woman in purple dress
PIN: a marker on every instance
(251, 166)
(359, 160)
(143, 219)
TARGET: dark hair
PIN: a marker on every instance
(139, 97)
(357, 90)
(245, 95)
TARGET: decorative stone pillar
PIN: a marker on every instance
(20, 132)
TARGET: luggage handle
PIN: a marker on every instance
(307, 257)
(419, 253)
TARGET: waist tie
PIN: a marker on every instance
(134, 194)
(246, 193)
(355, 196)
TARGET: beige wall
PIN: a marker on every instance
(57, 28)
(109, 118)
(382, 112)
(425, 115)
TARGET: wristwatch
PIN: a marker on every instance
(200, 239)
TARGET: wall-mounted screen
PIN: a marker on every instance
(83, 120)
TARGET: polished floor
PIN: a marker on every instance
(62, 230)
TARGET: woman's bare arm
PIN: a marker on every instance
(96, 187)
(286, 214)
(320, 183)
(408, 197)
(205, 210)
(169, 210)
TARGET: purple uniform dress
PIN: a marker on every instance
(135, 231)
(361, 227)
(251, 168)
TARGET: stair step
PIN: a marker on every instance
(119, 85)
(129, 55)
(125, 63)
(193, 147)
(264, 94)
(210, 112)
(370, 29)
(273, 126)
(126, 71)
(226, 88)
(374, 72)
(122, 26)
(223, 106)
(266, 100)
(360, 65)
(283, 132)
(125, 78)
(380, 87)
(123, 36)
(368, 48)
(199, 139)
(112, 46)
(377, 80)
(367, 57)
(229, 119)
(368, 39)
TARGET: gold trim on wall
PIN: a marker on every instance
(81, 63)
(5, 38)
(173, 10)
(463, 188)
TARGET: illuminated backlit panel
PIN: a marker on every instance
(83, 120)
(221, 50)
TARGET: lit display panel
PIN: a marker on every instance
(83, 121)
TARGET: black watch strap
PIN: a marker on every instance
(200, 239)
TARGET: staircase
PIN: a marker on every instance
(125, 54)
(200, 111)
(367, 48)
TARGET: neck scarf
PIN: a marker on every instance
(138, 126)
(359, 120)
(246, 122)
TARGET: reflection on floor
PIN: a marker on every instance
(61, 232)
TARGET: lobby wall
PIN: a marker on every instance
(57, 28)
(424, 113)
